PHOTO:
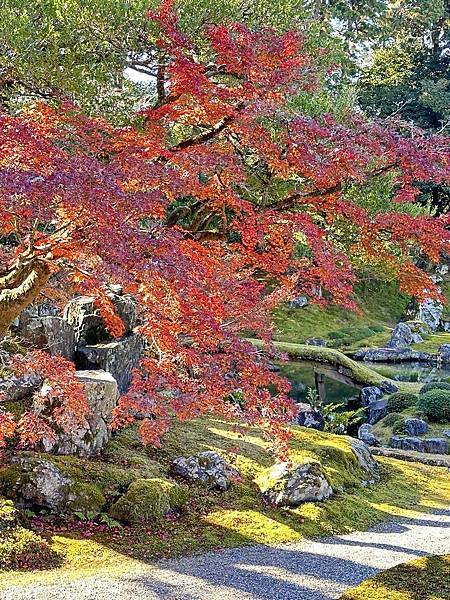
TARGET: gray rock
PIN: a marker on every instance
(388, 387)
(436, 445)
(415, 426)
(85, 318)
(307, 416)
(299, 302)
(445, 326)
(52, 334)
(446, 433)
(286, 485)
(207, 468)
(444, 353)
(407, 443)
(316, 342)
(118, 357)
(364, 456)
(393, 355)
(376, 406)
(430, 312)
(403, 336)
(365, 434)
(88, 440)
(17, 388)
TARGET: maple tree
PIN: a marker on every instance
(218, 205)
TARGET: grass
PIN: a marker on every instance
(432, 342)
(239, 516)
(425, 578)
(381, 306)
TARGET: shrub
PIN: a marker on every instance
(434, 386)
(401, 400)
(21, 548)
(390, 419)
(148, 499)
(435, 404)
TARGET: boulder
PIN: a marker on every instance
(415, 426)
(366, 435)
(444, 353)
(299, 302)
(403, 336)
(285, 485)
(39, 483)
(118, 357)
(364, 456)
(308, 416)
(436, 445)
(102, 395)
(85, 318)
(17, 388)
(387, 387)
(430, 312)
(207, 468)
(52, 334)
(407, 443)
(376, 406)
(393, 355)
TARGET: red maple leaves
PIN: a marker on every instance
(224, 204)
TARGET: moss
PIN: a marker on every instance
(9, 478)
(435, 404)
(421, 579)
(85, 498)
(432, 342)
(148, 499)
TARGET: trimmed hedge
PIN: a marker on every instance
(401, 400)
(435, 404)
(438, 385)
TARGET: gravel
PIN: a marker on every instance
(318, 569)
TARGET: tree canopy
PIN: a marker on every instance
(218, 202)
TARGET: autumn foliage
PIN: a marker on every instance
(221, 202)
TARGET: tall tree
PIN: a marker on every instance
(223, 202)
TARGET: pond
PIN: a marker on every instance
(301, 376)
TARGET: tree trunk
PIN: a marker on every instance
(18, 289)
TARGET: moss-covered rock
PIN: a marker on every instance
(148, 499)
(85, 498)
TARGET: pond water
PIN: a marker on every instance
(301, 376)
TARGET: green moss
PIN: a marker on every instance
(432, 342)
(85, 498)
(426, 578)
(148, 499)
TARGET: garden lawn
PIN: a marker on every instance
(238, 516)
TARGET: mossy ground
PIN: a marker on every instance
(238, 516)
(426, 578)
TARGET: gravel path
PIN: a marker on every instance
(318, 569)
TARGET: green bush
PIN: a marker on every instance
(148, 499)
(390, 419)
(401, 400)
(434, 386)
(435, 404)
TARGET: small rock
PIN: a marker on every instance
(376, 405)
(364, 456)
(388, 388)
(436, 445)
(286, 485)
(366, 435)
(299, 302)
(208, 468)
(316, 342)
(415, 426)
(17, 388)
(444, 353)
(309, 417)
(446, 433)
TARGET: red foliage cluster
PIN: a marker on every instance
(180, 214)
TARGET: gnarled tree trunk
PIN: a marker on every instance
(18, 288)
